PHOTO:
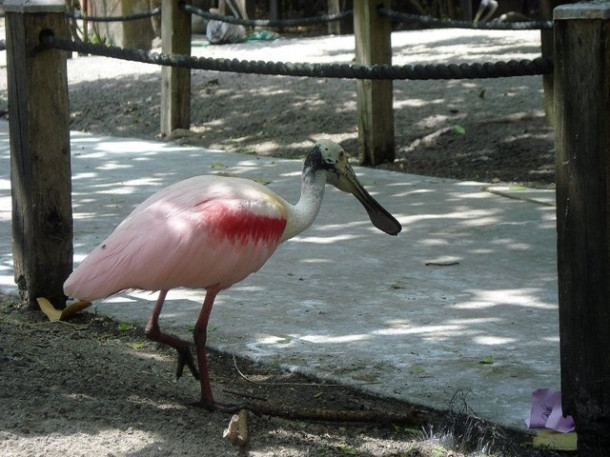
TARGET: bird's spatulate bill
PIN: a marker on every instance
(379, 216)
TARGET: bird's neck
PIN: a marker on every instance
(305, 211)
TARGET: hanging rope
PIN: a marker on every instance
(538, 66)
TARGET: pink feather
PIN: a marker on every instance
(202, 232)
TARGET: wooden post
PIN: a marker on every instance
(334, 27)
(40, 150)
(175, 82)
(375, 111)
(582, 98)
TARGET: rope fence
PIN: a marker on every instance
(539, 66)
(371, 64)
(512, 68)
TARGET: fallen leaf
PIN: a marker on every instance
(46, 307)
(137, 345)
(417, 369)
(487, 360)
(125, 326)
(223, 173)
(55, 314)
(459, 129)
(347, 449)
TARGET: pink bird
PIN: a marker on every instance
(211, 232)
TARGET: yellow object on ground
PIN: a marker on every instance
(55, 314)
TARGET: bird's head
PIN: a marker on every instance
(330, 157)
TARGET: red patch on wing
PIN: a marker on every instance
(243, 226)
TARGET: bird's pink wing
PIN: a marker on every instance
(198, 233)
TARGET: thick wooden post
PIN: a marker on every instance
(175, 82)
(375, 112)
(40, 150)
(582, 101)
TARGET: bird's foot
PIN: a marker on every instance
(183, 348)
(185, 357)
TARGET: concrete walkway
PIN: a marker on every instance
(464, 299)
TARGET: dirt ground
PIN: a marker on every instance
(92, 386)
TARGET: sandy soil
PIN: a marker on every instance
(92, 386)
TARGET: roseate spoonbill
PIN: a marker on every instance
(210, 232)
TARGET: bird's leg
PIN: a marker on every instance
(153, 332)
(200, 337)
